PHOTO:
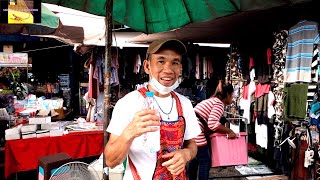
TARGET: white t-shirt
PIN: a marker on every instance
(122, 115)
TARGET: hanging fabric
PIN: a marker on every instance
(301, 39)
(114, 79)
(205, 68)
(198, 66)
(137, 64)
(279, 51)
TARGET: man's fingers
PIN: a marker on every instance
(167, 156)
(178, 170)
(150, 117)
(169, 162)
(176, 167)
(146, 111)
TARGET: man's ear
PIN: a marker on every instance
(146, 66)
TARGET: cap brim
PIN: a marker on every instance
(173, 43)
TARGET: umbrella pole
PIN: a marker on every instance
(107, 75)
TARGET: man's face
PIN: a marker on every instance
(165, 66)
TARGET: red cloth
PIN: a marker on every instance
(251, 63)
(261, 89)
(245, 92)
(269, 54)
(23, 154)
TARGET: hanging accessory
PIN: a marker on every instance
(162, 110)
(309, 153)
(290, 141)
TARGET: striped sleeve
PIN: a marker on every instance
(215, 115)
(201, 139)
(211, 110)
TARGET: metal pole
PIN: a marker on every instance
(107, 75)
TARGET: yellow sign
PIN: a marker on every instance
(19, 17)
(19, 13)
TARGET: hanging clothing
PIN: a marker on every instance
(279, 51)
(137, 64)
(114, 79)
(210, 67)
(315, 64)
(261, 134)
(261, 108)
(302, 37)
(261, 89)
(187, 67)
(295, 100)
(197, 66)
(93, 83)
(99, 68)
(200, 93)
(245, 101)
(271, 110)
(205, 68)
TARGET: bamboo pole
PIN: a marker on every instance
(107, 75)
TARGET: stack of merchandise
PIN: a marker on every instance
(13, 133)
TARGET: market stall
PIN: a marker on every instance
(23, 155)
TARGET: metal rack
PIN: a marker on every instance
(243, 119)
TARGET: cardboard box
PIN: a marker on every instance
(29, 127)
(40, 120)
(28, 135)
(11, 131)
(48, 164)
(51, 126)
(42, 133)
(12, 136)
(58, 132)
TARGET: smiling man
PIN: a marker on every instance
(177, 120)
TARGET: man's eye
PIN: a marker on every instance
(161, 62)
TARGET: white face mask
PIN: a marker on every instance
(161, 88)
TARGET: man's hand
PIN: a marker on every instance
(177, 161)
(141, 123)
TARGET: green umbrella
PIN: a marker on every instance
(153, 16)
(49, 23)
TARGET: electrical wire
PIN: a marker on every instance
(32, 50)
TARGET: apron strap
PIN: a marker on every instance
(133, 169)
(143, 91)
(179, 106)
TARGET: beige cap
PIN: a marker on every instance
(167, 43)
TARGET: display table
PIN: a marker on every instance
(23, 154)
